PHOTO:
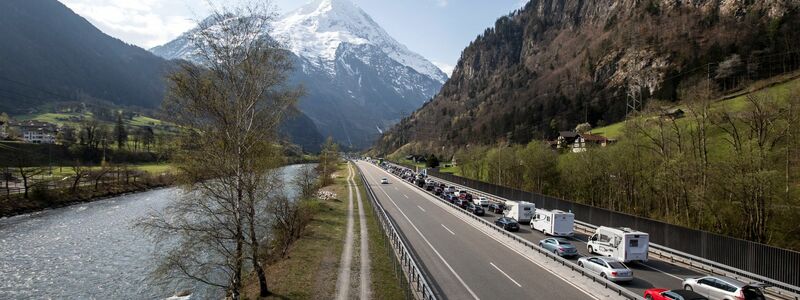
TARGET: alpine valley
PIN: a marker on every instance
(358, 80)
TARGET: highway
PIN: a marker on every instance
(655, 273)
(465, 263)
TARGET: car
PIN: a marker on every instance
(507, 223)
(482, 201)
(437, 191)
(607, 268)
(560, 247)
(497, 208)
(449, 197)
(384, 180)
(664, 294)
(461, 203)
(475, 209)
(724, 288)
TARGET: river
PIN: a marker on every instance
(85, 251)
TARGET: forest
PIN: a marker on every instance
(730, 168)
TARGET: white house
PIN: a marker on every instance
(36, 132)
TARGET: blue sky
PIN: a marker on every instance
(437, 29)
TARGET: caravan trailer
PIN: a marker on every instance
(623, 244)
(519, 210)
(553, 222)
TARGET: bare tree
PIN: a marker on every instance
(81, 172)
(234, 104)
(306, 181)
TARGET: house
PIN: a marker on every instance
(586, 140)
(565, 139)
(36, 132)
(673, 113)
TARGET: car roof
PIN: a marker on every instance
(729, 280)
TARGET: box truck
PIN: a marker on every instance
(519, 210)
(623, 244)
(553, 222)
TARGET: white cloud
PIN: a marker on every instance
(446, 68)
(441, 3)
(145, 23)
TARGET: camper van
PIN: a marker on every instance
(521, 211)
(553, 222)
(623, 244)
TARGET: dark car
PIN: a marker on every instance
(475, 209)
(420, 182)
(437, 191)
(507, 223)
(429, 187)
(451, 198)
(497, 208)
(462, 203)
(468, 197)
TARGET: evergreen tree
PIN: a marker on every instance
(120, 133)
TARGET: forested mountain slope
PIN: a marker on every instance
(556, 63)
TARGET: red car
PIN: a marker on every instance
(664, 294)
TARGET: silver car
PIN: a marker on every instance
(724, 288)
(607, 267)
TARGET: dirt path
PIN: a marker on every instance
(364, 273)
(343, 282)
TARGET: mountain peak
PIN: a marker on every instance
(330, 5)
(316, 30)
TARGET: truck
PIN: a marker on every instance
(553, 222)
(623, 244)
(521, 211)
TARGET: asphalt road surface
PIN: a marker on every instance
(463, 262)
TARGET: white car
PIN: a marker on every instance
(384, 180)
(724, 288)
(607, 267)
(482, 201)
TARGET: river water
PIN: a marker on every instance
(86, 251)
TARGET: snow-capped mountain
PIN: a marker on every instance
(356, 76)
(316, 30)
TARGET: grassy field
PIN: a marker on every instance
(737, 103)
(154, 169)
(72, 120)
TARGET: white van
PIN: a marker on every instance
(521, 211)
(623, 244)
(553, 222)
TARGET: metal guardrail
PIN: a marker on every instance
(776, 287)
(414, 274)
(564, 262)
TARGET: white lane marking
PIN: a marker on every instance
(504, 273)
(665, 273)
(454, 213)
(420, 208)
(448, 230)
(404, 195)
(430, 245)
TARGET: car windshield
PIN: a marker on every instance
(616, 265)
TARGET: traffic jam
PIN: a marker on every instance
(610, 249)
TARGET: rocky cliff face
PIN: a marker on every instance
(555, 63)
